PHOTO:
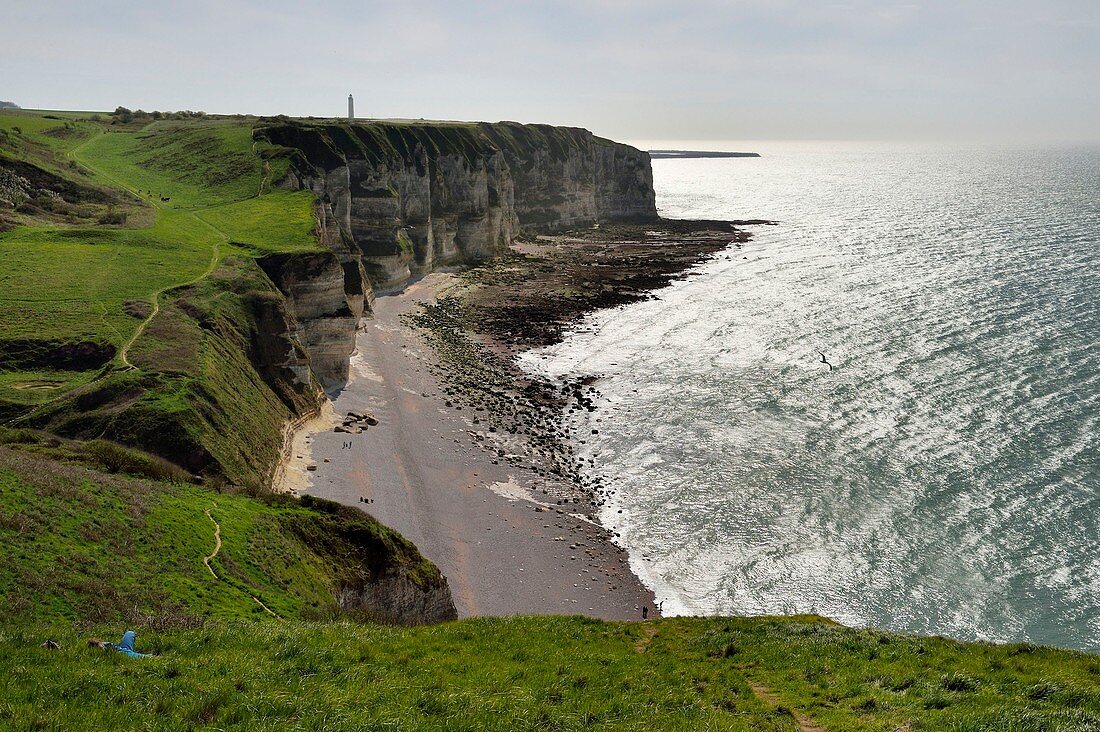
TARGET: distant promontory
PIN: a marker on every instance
(659, 154)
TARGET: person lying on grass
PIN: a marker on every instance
(126, 647)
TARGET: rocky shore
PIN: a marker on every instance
(528, 300)
(470, 457)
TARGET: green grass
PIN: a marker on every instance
(72, 284)
(63, 284)
(549, 673)
(83, 546)
(869, 680)
(195, 164)
(279, 221)
(55, 131)
(30, 386)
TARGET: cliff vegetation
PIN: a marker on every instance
(87, 542)
(186, 284)
(549, 673)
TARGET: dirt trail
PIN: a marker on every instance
(217, 543)
(123, 354)
(217, 548)
(805, 724)
(155, 297)
(649, 632)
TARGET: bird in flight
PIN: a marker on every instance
(824, 361)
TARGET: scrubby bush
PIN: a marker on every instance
(17, 437)
(124, 115)
(113, 218)
(118, 459)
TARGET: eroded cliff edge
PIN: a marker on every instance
(405, 198)
(230, 359)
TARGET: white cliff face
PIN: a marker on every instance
(407, 199)
(323, 320)
(401, 220)
(566, 177)
(398, 201)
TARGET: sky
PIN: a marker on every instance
(627, 69)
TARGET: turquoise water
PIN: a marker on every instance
(944, 476)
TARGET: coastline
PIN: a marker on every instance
(427, 476)
(471, 458)
(291, 474)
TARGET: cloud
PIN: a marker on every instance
(630, 68)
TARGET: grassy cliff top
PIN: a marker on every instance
(101, 222)
(543, 673)
(248, 643)
(327, 143)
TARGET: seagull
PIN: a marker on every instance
(825, 362)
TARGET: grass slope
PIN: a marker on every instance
(195, 396)
(86, 547)
(551, 673)
(55, 131)
(71, 285)
(173, 291)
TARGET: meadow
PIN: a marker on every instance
(187, 195)
(542, 673)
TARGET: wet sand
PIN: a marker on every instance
(433, 474)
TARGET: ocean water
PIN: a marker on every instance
(944, 476)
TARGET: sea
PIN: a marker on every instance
(884, 409)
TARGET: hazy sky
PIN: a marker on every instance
(705, 69)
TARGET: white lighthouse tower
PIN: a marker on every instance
(351, 109)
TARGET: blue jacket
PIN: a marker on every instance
(127, 645)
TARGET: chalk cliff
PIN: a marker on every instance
(404, 199)
(397, 200)
(326, 299)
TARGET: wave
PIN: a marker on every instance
(943, 477)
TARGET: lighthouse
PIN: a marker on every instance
(351, 109)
